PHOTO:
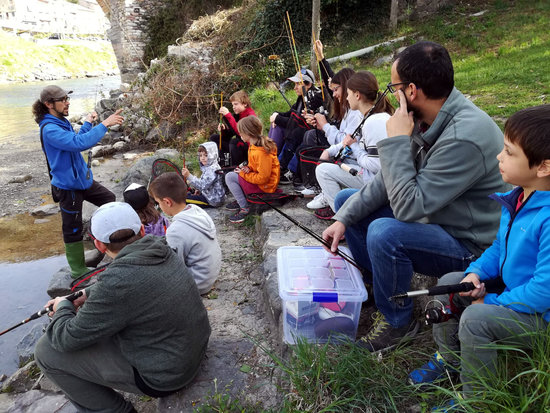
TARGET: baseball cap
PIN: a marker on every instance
(304, 74)
(53, 92)
(113, 217)
(136, 195)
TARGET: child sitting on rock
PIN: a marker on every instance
(519, 257)
(208, 189)
(231, 141)
(137, 196)
(192, 232)
(260, 175)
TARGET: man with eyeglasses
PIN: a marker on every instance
(71, 177)
(427, 210)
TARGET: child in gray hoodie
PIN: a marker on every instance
(192, 232)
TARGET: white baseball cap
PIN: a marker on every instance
(305, 75)
(112, 217)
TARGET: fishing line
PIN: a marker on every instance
(327, 244)
(297, 60)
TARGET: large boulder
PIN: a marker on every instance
(22, 380)
(140, 172)
(25, 348)
(45, 210)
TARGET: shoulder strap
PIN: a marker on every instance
(44, 150)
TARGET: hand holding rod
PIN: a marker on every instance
(43, 311)
(437, 290)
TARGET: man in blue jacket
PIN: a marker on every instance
(71, 178)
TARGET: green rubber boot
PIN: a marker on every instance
(75, 256)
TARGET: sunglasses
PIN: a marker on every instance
(64, 100)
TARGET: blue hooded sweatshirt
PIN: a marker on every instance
(520, 254)
(63, 147)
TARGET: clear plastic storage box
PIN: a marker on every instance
(321, 294)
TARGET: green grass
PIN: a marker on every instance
(265, 102)
(20, 57)
(345, 378)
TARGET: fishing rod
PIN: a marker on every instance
(494, 284)
(342, 254)
(221, 121)
(437, 290)
(43, 311)
(318, 65)
(279, 85)
(297, 61)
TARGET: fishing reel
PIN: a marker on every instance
(343, 153)
(224, 159)
(437, 313)
(321, 110)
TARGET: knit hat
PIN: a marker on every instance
(136, 195)
(53, 92)
(304, 75)
(113, 217)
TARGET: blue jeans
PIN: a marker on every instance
(393, 250)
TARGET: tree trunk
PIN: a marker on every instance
(393, 13)
(315, 30)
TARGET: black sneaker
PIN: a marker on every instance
(286, 177)
(239, 216)
(233, 206)
(382, 336)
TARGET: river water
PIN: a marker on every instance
(23, 285)
(16, 101)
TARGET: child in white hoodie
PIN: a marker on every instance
(192, 232)
(209, 190)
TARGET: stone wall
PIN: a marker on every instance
(127, 32)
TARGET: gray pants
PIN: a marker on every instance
(232, 181)
(479, 326)
(88, 376)
(332, 179)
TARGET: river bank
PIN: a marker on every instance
(27, 60)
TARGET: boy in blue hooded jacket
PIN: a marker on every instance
(71, 178)
(520, 256)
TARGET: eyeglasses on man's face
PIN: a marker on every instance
(64, 99)
(391, 86)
